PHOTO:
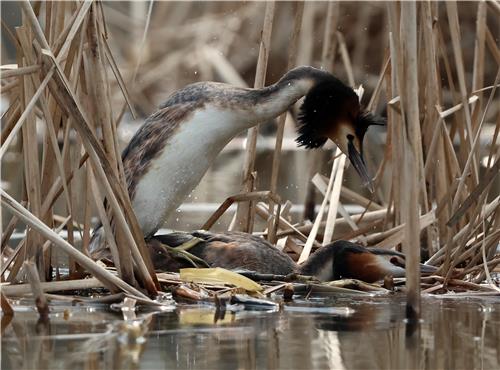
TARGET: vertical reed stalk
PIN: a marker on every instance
(243, 213)
(292, 60)
(40, 300)
(317, 222)
(409, 98)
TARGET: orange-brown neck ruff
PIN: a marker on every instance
(364, 266)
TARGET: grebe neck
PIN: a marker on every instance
(271, 101)
(276, 99)
(320, 264)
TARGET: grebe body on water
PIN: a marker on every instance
(240, 251)
(176, 145)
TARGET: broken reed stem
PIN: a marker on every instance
(7, 73)
(26, 112)
(334, 201)
(110, 280)
(7, 232)
(13, 272)
(242, 197)
(40, 300)
(400, 234)
(317, 222)
(367, 217)
(62, 91)
(66, 99)
(17, 290)
(243, 213)
(352, 196)
(66, 30)
(5, 304)
(283, 224)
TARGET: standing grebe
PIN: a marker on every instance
(175, 146)
(237, 250)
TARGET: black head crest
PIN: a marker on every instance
(364, 120)
(328, 102)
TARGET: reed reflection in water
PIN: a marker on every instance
(452, 335)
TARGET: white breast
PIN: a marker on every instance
(183, 162)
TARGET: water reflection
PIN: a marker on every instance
(355, 334)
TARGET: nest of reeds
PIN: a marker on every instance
(436, 185)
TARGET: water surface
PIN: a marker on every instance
(321, 333)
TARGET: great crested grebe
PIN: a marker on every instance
(236, 250)
(175, 146)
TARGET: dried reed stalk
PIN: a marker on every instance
(15, 269)
(292, 61)
(451, 9)
(36, 288)
(334, 201)
(6, 306)
(452, 122)
(111, 281)
(7, 231)
(52, 286)
(243, 197)
(317, 222)
(62, 34)
(322, 184)
(67, 100)
(244, 210)
(283, 224)
(412, 156)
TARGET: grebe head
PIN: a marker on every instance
(331, 110)
(344, 260)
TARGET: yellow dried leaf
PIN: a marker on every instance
(219, 275)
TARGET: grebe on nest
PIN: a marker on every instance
(237, 250)
(170, 153)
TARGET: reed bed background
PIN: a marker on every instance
(81, 70)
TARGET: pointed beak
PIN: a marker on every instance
(427, 269)
(359, 165)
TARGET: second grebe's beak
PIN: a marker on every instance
(358, 162)
(399, 261)
(427, 269)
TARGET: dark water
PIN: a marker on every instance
(333, 333)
